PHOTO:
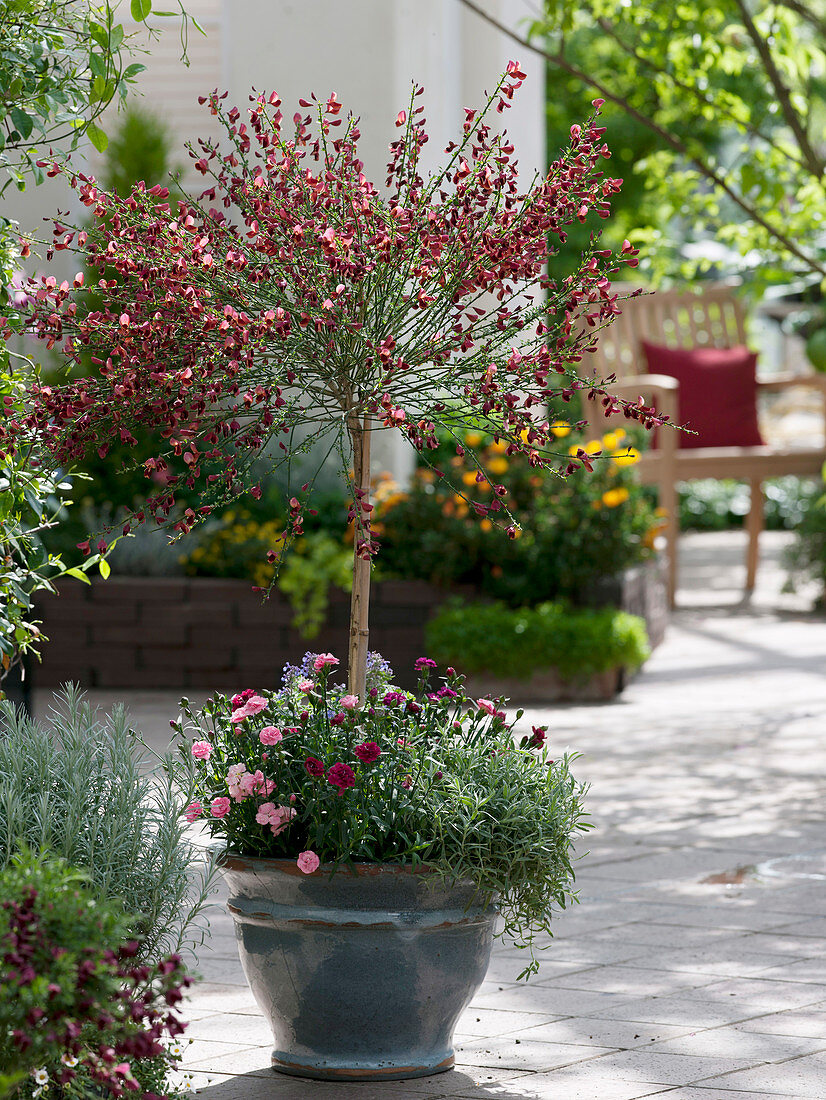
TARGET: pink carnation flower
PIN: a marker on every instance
(220, 806)
(255, 705)
(308, 862)
(324, 659)
(202, 750)
(193, 811)
(306, 686)
(486, 705)
(234, 775)
(349, 701)
(270, 735)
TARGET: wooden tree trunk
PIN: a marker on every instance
(360, 598)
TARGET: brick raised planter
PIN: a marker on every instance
(155, 632)
(195, 633)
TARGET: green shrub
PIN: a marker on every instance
(77, 786)
(806, 557)
(716, 505)
(492, 639)
(78, 1016)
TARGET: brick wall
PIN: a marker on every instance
(136, 632)
(148, 632)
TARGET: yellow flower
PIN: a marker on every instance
(560, 429)
(614, 497)
(473, 439)
(610, 441)
(469, 478)
(627, 458)
(572, 450)
(498, 465)
(499, 447)
(592, 446)
(486, 525)
(427, 476)
(596, 505)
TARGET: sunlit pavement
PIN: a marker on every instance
(694, 966)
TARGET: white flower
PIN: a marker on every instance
(69, 1060)
(38, 1091)
(176, 1050)
(41, 1076)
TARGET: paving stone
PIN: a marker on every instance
(667, 1069)
(736, 1042)
(591, 1031)
(524, 1053)
(802, 1078)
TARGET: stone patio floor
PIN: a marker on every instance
(694, 967)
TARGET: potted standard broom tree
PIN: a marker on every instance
(370, 836)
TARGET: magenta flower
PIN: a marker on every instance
(238, 700)
(308, 862)
(341, 776)
(367, 752)
(393, 698)
(193, 811)
(337, 719)
(423, 663)
(220, 806)
(349, 702)
(270, 735)
(538, 735)
(202, 750)
(323, 660)
(314, 767)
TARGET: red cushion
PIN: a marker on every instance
(717, 396)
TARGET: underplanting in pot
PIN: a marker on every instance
(417, 815)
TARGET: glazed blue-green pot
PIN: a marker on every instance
(362, 975)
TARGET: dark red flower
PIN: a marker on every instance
(368, 752)
(538, 735)
(341, 776)
(314, 767)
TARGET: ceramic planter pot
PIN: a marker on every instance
(362, 975)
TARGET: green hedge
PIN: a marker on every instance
(479, 638)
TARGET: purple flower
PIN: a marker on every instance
(393, 698)
(423, 663)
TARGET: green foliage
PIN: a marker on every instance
(749, 76)
(806, 557)
(78, 786)
(575, 530)
(442, 783)
(31, 499)
(712, 505)
(140, 150)
(305, 578)
(489, 638)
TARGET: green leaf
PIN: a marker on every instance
(140, 9)
(131, 71)
(116, 38)
(97, 137)
(79, 574)
(105, 568)
(22, 123)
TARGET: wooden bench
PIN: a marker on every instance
(686, 319)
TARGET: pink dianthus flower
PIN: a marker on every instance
(349, 702)
(270, 735)
(220, 806)
(193, 811)
(486, 705)
(323, 660)
(202, 750)
(308, 862)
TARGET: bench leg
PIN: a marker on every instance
(754, 525)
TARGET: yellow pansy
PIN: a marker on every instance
(560, 429)
(614, 497)
(627, 457)
(610, 441)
